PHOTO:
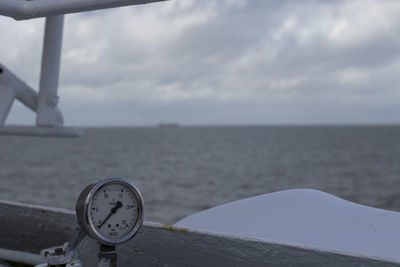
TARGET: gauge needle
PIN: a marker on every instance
(113, 211)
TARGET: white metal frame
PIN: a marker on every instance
(49, 120)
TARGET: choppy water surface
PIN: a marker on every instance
(188, 169)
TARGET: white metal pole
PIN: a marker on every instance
(7, 96)
(47, 113)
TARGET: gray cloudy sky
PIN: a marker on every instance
(220, 62)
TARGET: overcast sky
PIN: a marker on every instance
(220, 62)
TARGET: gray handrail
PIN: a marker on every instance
(28, 9)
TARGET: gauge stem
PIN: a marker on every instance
(107, 256)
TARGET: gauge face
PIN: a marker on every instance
(110, 211)
(113, 211)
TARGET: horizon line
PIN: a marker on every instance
(247, 125)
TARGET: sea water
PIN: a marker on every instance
(184, 170)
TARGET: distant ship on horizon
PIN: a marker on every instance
(168, 125)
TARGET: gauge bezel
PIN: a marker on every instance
(83, 216)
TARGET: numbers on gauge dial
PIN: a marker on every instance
(113, 211)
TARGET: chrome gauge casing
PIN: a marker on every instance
(88, 207)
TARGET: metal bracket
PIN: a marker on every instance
(65, 255)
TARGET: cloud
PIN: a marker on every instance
(222, 62)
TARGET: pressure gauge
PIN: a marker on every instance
(110, 211)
